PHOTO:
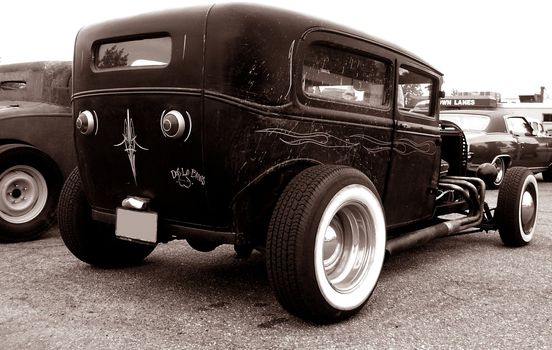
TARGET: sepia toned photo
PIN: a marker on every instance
(275, 175)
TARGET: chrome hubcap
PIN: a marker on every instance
(528, 211)
(23, 194)
(499, 165)
(346, 249)
(349, 247)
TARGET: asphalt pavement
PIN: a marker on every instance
(461, 292)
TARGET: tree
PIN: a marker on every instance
(412, 89)
(113, 57)
(411, 92)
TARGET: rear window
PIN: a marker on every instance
(148, 52)
(13, 85)
(468, 122)
(342, 76)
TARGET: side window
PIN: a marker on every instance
(538, 129)
(518, 126)
(13, 85)
(336, 74)
(415, 92)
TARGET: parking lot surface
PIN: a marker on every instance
(464, 291)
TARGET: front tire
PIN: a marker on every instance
(517, 207)
(30, 183)
(326, 243)
(91, 241)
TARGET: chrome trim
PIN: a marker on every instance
(135, 203)
(85, 123)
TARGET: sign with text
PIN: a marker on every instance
(467, 102)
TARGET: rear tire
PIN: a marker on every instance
(517, 207)
(91, 241)
(30, 182)
(326, 243)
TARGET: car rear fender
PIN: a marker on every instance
(252, 206)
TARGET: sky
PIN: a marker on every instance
(483, 45)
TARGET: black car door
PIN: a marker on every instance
(415, 158)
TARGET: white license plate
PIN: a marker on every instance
(136, 225)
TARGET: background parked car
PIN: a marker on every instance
(36, 151)
(505, 140)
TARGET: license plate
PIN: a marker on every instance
(136, 225)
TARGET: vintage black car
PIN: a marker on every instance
(504, 139)
(274, 131)
(36, 152)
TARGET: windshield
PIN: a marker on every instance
(468, 122)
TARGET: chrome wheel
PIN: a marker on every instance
(501, 169)
(517, 207)
(528, 211)
(350, 247)
(325, 243)
(23, 194)
(528, 208)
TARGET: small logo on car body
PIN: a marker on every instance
(130, 143)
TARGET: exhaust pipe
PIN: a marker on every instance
(420, 237)
(473, 191)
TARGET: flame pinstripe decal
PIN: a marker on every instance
(130, 144)
(370, 144)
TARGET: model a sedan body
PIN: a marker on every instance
(36, 152)
(270, 130)
(505, 140)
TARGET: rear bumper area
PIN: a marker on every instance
(169, 231)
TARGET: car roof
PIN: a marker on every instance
(497, 117)
(269, 16)
(276, 16)
(44, 81)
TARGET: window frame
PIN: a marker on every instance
(434, 96)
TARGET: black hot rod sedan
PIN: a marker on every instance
(274, 131)
(504, 140)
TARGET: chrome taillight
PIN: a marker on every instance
(86, 123)
(173, 124)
